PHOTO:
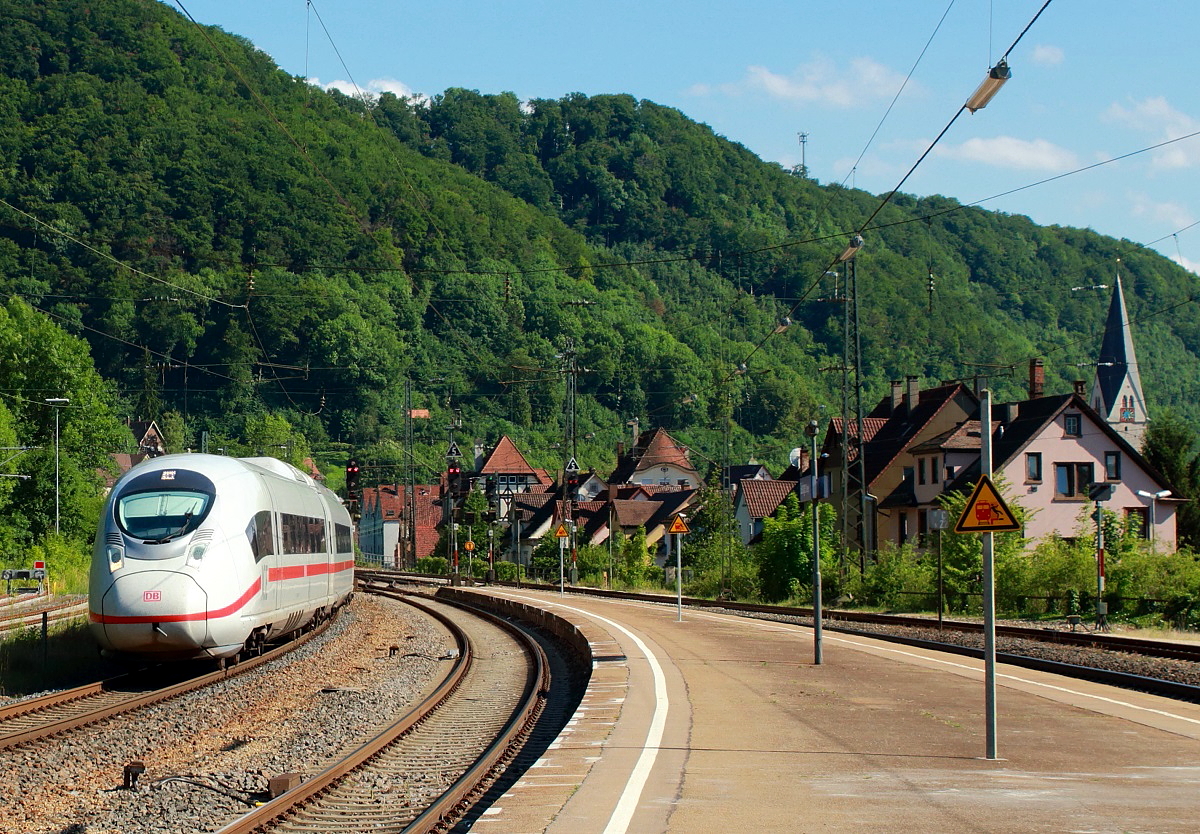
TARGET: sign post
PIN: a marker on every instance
(561, 534)
(679, 528)
(986, 512)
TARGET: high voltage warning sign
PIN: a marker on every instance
(986, 512)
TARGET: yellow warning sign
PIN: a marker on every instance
(561, 532)
(986, 512)
(679, 525)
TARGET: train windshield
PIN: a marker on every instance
(159, 516)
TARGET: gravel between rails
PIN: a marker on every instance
(210, 754)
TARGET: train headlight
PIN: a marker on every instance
(116, 555)
(196, 552)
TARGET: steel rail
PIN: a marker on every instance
(843, 621)
(113, 687)
(459, 796)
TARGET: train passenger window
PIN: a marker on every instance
(262, 542)
(161, 515)
(302, 534)
(345, 543)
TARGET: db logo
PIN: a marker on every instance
(151, 596)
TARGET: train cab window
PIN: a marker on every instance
(158, 516)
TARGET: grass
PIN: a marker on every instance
(68, 657)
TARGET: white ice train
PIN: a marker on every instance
(209, 556)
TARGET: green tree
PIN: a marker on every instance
(1170, 447)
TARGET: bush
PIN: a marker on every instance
(435, 565)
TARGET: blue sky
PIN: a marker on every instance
(1091, 81)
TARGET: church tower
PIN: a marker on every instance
(1117, 388)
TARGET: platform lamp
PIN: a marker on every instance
(56, 403)
(1154, 497)
(990, 85)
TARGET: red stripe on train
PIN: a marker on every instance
(313, 569)
(234, 606)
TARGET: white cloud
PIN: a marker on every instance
(1165, 213)
(1157, 119)
(372, 89)
(1045, 55)
(1010, 152)
(1187, 263)
(818, 82)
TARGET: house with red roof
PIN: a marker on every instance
(755, 500)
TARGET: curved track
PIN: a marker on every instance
(426, 769)
(929, 633)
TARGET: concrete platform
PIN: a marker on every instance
(719, 723)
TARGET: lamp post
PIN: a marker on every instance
(1154, 499)
(812, 429)
(56, 403)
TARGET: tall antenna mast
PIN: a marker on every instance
(803, 154)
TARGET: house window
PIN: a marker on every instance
(903, 528)
(1112, 466)
(1073, 425)
(950, 473)
(1071, 480)
(921, 470)
(1033, 466)
(1137, 521)
(908, 474)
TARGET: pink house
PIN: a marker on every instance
(1049, 451)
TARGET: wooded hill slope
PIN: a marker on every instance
(233, 242)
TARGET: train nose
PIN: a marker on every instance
(156, 611)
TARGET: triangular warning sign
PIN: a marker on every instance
(679, 525)
(572, 465)
(986, 512)
(561, 532)
(453, 452)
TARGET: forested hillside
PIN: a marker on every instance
(235, 244)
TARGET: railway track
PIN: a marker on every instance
(427, 768)
(60, 712)
(1162, 667)
(27, 612)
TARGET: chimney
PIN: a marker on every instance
(1080, 389)
(914, 391)
(1037, 378)
(897, 396)
(1011, 410)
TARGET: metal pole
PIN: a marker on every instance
(55, 403)
(1101, 613)
(562, 575)
(941, 588)
(679, 576)
(816, 548)
(56, 471)
(989, 588)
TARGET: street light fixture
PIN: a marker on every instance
(1154, 497)
(991, 85)
(56, 403)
